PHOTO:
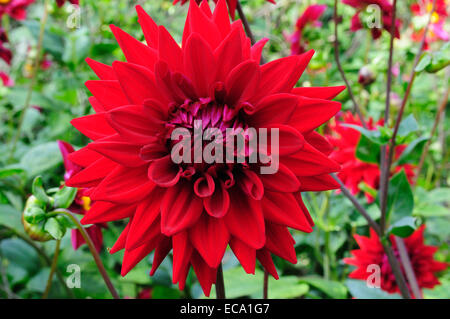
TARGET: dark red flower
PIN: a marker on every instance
(145, 293)
(16, 9)
(5, 53)
(232, 4)
(371, 252)
(60, 3)
(309, 17)
(354, 171)
(437, 24)
(6, 80)
(82, 202)
(385, 8)
(199, 209)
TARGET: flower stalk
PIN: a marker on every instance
(220, 286)
(52, 270)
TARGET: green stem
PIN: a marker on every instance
(52, 270)
(34, 72)
(93, 250)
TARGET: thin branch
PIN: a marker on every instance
(391, 55)
(52, 270)
(244, 20)
(341, 70)
(357, 205)
(397, 271)
(384, 178)
(266, 285)
(409, 270)
(220, 286)
(92, 248)
(433, 130)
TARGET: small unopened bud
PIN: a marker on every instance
(366, 76)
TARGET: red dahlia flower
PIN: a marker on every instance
(232, 4)
(386, 16)
(199, 209)
(82, 202)
(60, 3)
(16, 9)
(371, 252)
(437, 24)
(6, 80)
(311, 16)
(354, 171)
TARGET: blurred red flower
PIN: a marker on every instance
(60, 3)
(82, 203)
(16, 9)
(437, 24)
(385, 10)
(6, 80)
(198, 209)
(371, 252)
(354, 171)
(310, 16)
(232, 4)
(5, 53)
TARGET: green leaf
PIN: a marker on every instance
(64, 197)
(10, 170)
(41, 158)
(333, 289)
(54, 228)
(425, 60)
(400, 200)
(373, 135)
(20, 254)
(38, 190)
(360, 290)
(368, 151)
(412, 153)
(10, 217)
(407, 126)
(403, 227)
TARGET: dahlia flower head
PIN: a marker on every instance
(371, 252)
(81, 203)
(354, 171)
(232, 4)
(437, 24)
(385, 7)
(198, 209)
(310, 16)
(16, 9)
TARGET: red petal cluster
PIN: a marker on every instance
(437, 24)
(232, 4)
(354, 171)
(82, 202)
(16, 9)
(60, 3)
(386, 9)
(371, 253)
(198, 210)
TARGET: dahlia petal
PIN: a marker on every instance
(242, 82)
(308, 162)
(83, 157)
(149, 27)
(206, 275)
(221, 18)
(298, 198)
(153, 151)
(318, 183)
(311, 113)
(256, 50)
(245, 254)
(229, 53)
(163, 172)
(180, 208)
(108, 93)
(204, 186)
(134, 125)
(210, 236)
(251, 184)
(199, 64)
(96, 105)
(326, 93)
(146, 223)
(319, 142)
(121, 241)
(120, 152)
(280, 242)
(76, 239)
(137, 82)
(282, 181)
(103, 71)
(124, 185)
(92, 174)
(102, 212)
(272, 109)
(94, 126)
(204, 6)
(132, 257)
(169, 50)
(218, 203)
(202, 25)
(182, 252)
(161, 251)
(135, 51)
(245, 219)
(66, 149)
(266, 261)
(290, 140)
(283, 209)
